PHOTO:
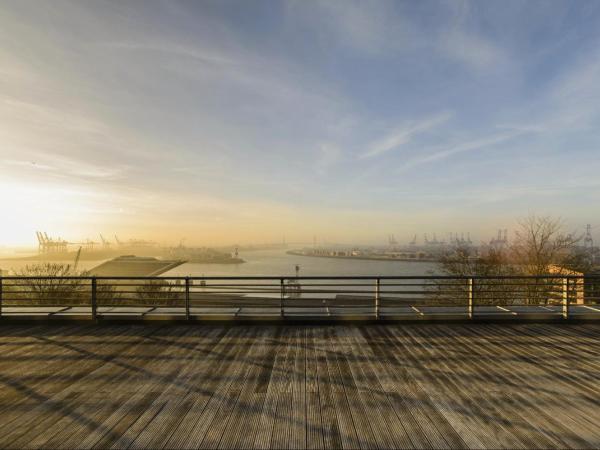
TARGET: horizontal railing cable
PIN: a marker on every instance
(371, 297)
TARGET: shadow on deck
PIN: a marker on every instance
(314, 386)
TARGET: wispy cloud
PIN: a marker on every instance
(466, 146)
(404, 134)
(62, 167)
(203, 55)
(473, 50)
(360, 26)
(568, 102)
(48, 117)
(329, 154)
(324, 103)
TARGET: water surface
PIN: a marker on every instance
(279, 263)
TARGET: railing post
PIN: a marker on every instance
(470, 293)
(282, 291)
(565, 302)
(0, 295)
(94, 305)
(187, 298)
(377, 291)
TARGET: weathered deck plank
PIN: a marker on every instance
(300, 386)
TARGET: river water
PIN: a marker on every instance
(279, 263)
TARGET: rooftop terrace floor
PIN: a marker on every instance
(295, 386)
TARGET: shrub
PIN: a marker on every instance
(160, 292)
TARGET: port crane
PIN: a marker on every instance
(588, 241)
(77, 259)
(134, 243)
(47, 244)
(105, 243)
(501, 240)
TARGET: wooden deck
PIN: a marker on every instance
(268, 386)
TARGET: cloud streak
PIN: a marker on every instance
(323, 105)
(404, 134)
(463, 147)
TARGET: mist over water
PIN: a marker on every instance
(278, 262)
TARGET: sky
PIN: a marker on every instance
(246, 121)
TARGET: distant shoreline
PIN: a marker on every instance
(69, 257)
(365, 258)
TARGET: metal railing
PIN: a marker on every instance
(343, 297)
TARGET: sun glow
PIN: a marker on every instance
(29, 207)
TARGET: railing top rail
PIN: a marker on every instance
(350, 277)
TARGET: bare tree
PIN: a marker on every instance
(542, 247)
(541, 243)
(160, 292)
(464, 261)
(46, 284)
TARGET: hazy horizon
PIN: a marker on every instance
(224, 122)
